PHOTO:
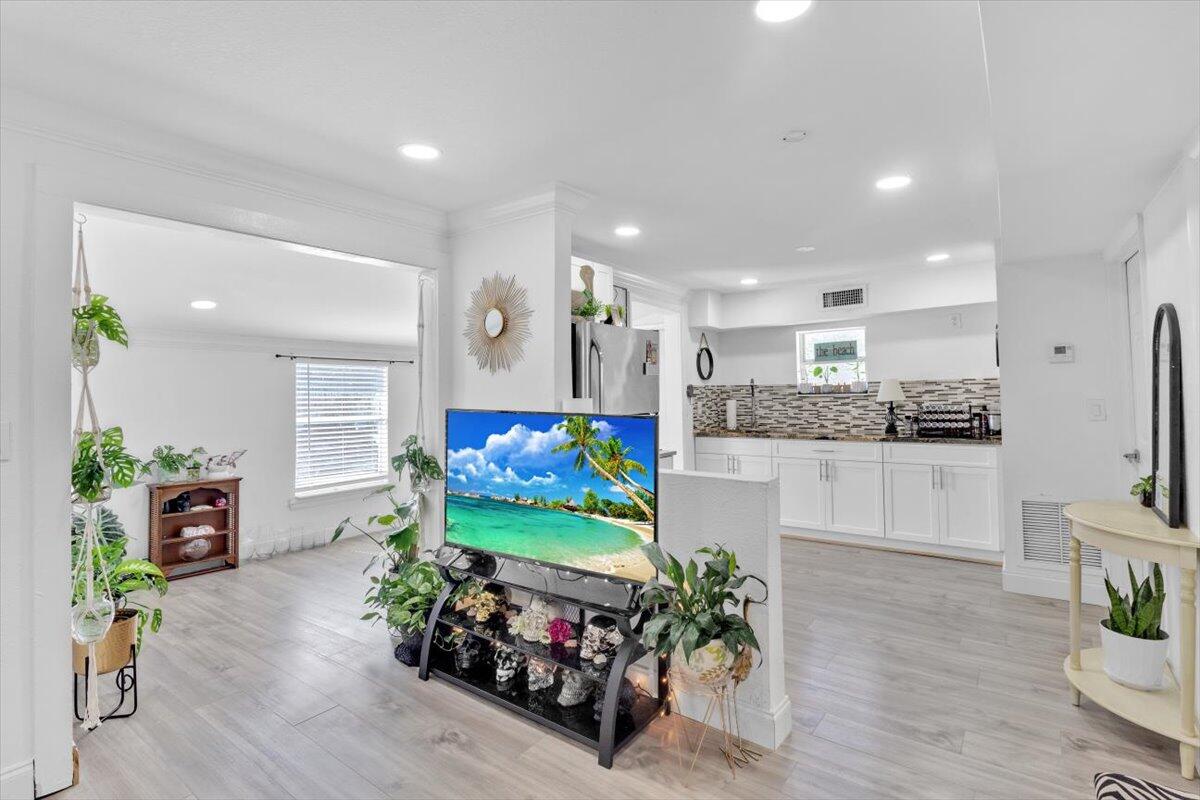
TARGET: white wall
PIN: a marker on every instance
(887, 292)
(1052, 451)
(910, 345)
(251, 408)
(52, 157)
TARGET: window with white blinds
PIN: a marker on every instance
(341, 424)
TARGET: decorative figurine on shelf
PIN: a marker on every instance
(222, 466)
(221, 502)
(179, 504)
(625, 700)
(197, 549)
(540, 674)
(533, 623)
(509, 663)
(481, 602)
(600, 640)
(575, 689)
(561, 632)
(468, 654)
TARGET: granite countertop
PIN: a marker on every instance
(821, 436)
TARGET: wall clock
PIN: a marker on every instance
(498, 323)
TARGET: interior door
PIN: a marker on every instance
(855, 497)
(970, 498)
(911, 503)
(801, 492)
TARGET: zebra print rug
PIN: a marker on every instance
(1115, 786)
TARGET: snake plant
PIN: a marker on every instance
(1140, 614)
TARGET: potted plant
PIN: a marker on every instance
(403, 600)
(858, 386)
(169, 462)
(818, 373)
(125, 578)
(693, 620)
(1135, 647)
(588, 309)
(1143, 489)
(94, 473)
(91, 321)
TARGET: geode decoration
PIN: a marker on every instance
(468, 654)
(600, 639)
(625, 700)
(575, 689)
(508, 665)
(540, 674)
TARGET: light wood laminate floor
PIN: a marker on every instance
(909, 677)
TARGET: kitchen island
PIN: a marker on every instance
(914, 494)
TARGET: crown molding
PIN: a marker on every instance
(161, 338)
(49, 122)
(552, 197)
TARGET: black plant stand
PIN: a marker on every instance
(616, 599)
(126, 682)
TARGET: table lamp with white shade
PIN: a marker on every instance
(890, 393)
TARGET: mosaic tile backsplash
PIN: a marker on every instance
(781, 409)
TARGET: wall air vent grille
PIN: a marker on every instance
(1046, 535)
(842, 298)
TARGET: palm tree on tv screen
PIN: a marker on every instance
(585, 442)
(614, 455)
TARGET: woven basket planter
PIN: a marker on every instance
(112, 652)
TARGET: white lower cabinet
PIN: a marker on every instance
(911, 502)
(855, 490)
(801, 492)
(713, 462)
(752, 466)
(969, 507)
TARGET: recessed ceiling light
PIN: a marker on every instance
(204, 305)
(780, 10)
(893, 182)
(805, 248)
(936, 257)
(420, 152)
(627, 230)
(749, 281)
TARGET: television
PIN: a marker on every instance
(558, 489)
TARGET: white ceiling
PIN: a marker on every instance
(670, 113)
(152, 269)
(1093, 103)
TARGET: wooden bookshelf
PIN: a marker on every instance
(166, 543)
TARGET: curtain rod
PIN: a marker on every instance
(365, 360)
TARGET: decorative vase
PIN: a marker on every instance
(1129, 661)
(85, 350)
(710, 664)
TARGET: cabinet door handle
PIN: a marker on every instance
(737, 465)
(824, 469)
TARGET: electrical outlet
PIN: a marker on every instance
(1096, 410)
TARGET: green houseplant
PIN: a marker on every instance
(405, 598)
(95, 472)
(1134, 644)
(693, 620)
(127, 578)
(1143, 489)
(170, 462)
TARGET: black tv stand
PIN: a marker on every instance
(588, 593)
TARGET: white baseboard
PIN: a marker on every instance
(16, 781)
(1055, 585)
(765, 728)
(895, 545)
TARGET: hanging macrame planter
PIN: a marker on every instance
(92, 615)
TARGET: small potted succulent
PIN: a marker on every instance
(1135, 647)
(1143, 489)
(695, 620)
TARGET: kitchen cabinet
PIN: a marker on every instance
(911, 502)
(970, 499)
(855, 491)
(802, 496)
(752, 466)
(712, 462)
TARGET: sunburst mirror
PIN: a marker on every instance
(498, 323)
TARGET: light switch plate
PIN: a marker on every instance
(1097, 410)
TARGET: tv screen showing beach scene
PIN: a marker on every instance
(575, 490)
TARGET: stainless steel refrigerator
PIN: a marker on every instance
(616, 367)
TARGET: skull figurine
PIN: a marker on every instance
(468, 654)
(575, 689)
(540, 674)
(508, 664)
(600, 639)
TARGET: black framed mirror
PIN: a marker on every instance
(1166, 425)
(704, 359)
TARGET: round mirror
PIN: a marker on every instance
(493, 322)
(704, 363)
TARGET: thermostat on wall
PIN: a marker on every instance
(1062, 353)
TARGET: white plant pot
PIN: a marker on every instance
(710, 664)
(1136, 663)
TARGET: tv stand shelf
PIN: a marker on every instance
(615, 599)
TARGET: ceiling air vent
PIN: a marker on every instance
(1046, 535)
(846, 297)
